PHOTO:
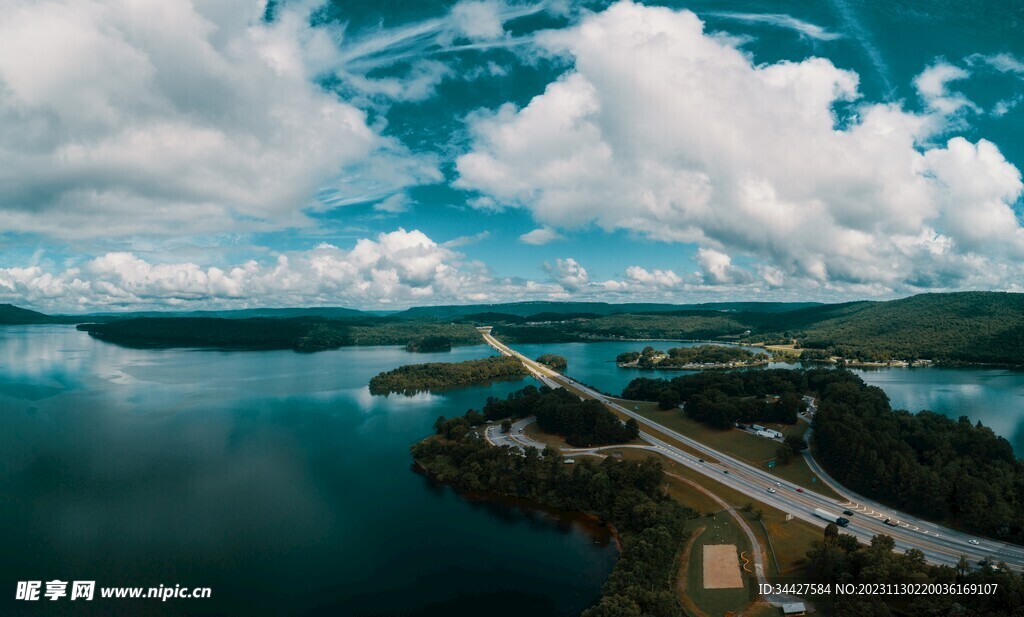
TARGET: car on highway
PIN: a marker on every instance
(700, 460)
(778, 484)
(771, 490)
(974, 542)
(848, 512)
(799, 490)
(891, 522)
(725, 471)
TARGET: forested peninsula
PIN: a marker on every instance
(627, 494)
(432, 376)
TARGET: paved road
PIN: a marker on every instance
(937, 543)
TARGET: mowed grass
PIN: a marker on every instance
(790, 539)
(719, 528)
(751, 449)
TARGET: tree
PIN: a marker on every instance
(795, 443)
(633, 428)
(439, 425)
(669, 399)
(831, 534)
(506, 426)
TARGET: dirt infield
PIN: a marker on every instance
(721, 568)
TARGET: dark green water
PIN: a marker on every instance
(272, 477)
(994, 396)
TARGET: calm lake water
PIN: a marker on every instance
(272, 477)
(994, 396)
(277, 480)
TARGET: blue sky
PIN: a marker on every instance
(383, 154)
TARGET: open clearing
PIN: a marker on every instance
(721, 568)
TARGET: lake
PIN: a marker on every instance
(994, 396)
(273, 478)
(278, 481)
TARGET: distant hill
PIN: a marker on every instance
(974, 326)
(969, 327)
(326, 312)
(545, 310)
(13, 315)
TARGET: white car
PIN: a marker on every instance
(974, 542)
(778, 484)
(771, 490)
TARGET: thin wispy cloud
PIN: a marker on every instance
(385, 47)
(780, 20)
(867, 42)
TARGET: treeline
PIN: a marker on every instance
(413, 378)
(679, 357)
(720, 399)
(627, 494)
(299, 334)
(583, 423)
(840, 558)
(925, 464)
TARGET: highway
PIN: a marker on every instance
(938, 544)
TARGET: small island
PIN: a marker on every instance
(702, 357)
(553, 361)
(428, 344)
(413, 378)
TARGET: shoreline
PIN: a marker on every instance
(696, 367)
(598, 529)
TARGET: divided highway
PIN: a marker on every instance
(938, 544)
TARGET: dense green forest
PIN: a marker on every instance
(925, 464)
(720, 399)
(689, 357)
(840, 558)
(650, 524)
(413, 378)
(553, 361)
(582, 422)
(300, 334)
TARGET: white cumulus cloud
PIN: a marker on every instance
(678, 136)
(539, 236)
(568, 273)
(400, 268)
(124, 117)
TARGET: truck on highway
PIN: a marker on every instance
(832, 518)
